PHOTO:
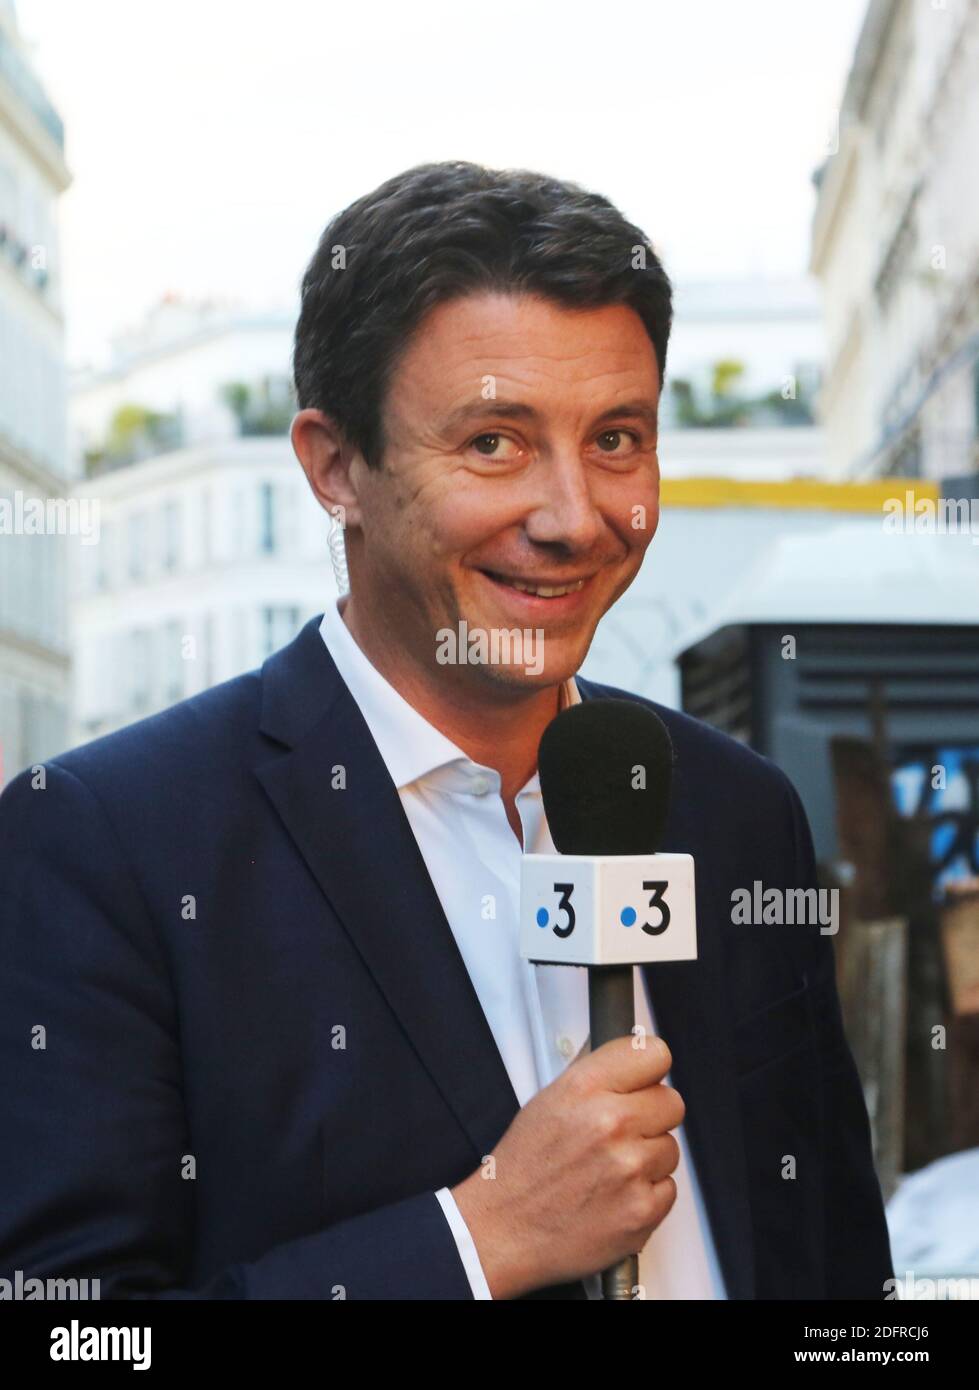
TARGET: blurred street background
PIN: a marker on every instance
(808, 175)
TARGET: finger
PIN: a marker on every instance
(621, 1065)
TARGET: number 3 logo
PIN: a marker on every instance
(565, 889)
(657, 900)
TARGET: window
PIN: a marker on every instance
(208, 652)
(102, 558)
(205, 520)
(173, 663)
(240, 544)
(140, 670)
(279, 626)
(137, 545)
(266, 529)
(171, 536)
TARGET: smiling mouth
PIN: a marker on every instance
(539, 588)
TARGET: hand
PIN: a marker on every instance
(582, 1175)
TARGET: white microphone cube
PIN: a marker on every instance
(620, 909)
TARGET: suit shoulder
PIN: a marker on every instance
(699, 748)
(210, 727)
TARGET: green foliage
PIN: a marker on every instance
(258, 409)
(725, 407)
(134, 432)
(725, 376)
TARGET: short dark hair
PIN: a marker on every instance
(440, 231)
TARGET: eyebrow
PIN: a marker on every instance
(519, 410)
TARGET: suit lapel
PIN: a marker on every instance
(359, 846)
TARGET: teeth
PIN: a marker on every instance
(546, 591)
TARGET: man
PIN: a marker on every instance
(265, 1028)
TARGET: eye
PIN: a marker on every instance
(493, 439)
(616, 435)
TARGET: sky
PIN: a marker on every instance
(210, 141)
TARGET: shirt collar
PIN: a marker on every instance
(409, 745)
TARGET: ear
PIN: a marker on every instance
(326, 459)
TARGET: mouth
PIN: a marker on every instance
(539, 588)
(554, 593)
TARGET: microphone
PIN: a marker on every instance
(607, 900)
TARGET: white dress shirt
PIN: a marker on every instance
(538, 1014)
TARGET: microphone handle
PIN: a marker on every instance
(612, 1014)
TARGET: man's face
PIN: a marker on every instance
(520, 454)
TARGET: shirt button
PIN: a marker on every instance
(564, 1045)
(481, 785)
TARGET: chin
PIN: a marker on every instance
(510, 683)
(535, 673)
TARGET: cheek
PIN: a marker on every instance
(400, 520)
(635, 514)
(463, 517)
(650, 519)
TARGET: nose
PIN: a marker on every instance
(565, 514)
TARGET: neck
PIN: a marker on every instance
(499, 729)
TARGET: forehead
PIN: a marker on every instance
(524, 341)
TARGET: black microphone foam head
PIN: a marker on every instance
(606, 768)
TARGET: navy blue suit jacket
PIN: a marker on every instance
(193, 910)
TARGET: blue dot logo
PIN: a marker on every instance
(543, 916)
(627, 916)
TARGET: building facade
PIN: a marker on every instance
(208, 560)
(895, 245)
(211, 551)
(34, 660)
